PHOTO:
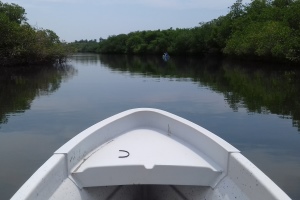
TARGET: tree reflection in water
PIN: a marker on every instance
(257, 87)
(20, 86)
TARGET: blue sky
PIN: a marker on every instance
(91, 19)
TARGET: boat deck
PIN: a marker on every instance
(146, 156)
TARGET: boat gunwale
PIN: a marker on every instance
(104, 131)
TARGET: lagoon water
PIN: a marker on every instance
(257, 111)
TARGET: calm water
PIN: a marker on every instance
(258, 111)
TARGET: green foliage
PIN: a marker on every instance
(263, 39)
(21, 44)
(84, 45)
(237, 9)
(262, 29)
(14, 12)
(267, 30)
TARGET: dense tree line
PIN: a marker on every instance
(262, 29)
(85, 45)
(21, 44)
(266, 29)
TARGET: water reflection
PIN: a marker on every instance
(85, 59)
(264, 91)
(233, 100)
(257, 88)
(19, 87)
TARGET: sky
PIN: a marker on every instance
(91, 19)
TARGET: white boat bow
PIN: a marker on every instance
(148, 153)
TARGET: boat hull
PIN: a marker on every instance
(148, 153)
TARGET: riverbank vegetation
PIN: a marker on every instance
(261, 30)
(22, 44)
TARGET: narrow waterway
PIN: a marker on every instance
(257, 111)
